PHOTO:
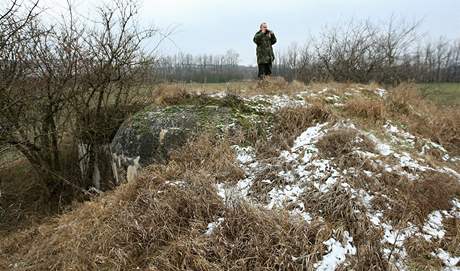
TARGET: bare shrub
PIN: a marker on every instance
(54, 73)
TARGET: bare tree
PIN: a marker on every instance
(65, 82)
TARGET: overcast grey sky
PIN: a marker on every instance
(214, 26)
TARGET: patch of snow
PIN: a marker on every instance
(311, 135)
(397, 237)
(176, 183)
(286, 194)
(286, 175)
(381, 92)
(213, 225)
(300, 212)
(433, 227)
(323, 90)
(277, 102)
(221, 192)
(229, 192)
(288, 156)
(336, 253)
(218, 95)
(333, 98)
(398, 135)
(244, 155)
(375, 218)
(405, 160)
(447, 259)
(382, 148)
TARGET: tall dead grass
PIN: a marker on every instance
(289, 123)
(341, 142)
(409, 201)
(405, 105)
(249, 238)
(425, 118)
(117, 231)
(339, 208)
(369, 109)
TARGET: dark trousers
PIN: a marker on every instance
(264, 69)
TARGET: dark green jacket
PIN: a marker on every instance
(264, 43)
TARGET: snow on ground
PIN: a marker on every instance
(307, 169)
(381, 92)
(336, 253)
(449, 261)
(213, 225)
(433, 227)
(273, 103)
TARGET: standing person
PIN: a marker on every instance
(264, 39)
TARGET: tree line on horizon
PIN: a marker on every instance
(357, 51)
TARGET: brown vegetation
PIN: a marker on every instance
(248, 239)
(343, 141)
(118, 230)
(423, 117)
(289, 123)
(339, 208)
(369, 109)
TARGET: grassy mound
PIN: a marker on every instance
(347, 177)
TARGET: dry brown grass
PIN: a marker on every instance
(451, 241)
(425, 118)
(289, 123)
(339, 208)
(117, 231)
(366, 108)
(167, 94)
(410, 200)
(419, 251)
(205, 153)
(248, 239)
(434, 191)
(270, 85)
(337, 143)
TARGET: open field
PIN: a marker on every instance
(442, 93)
